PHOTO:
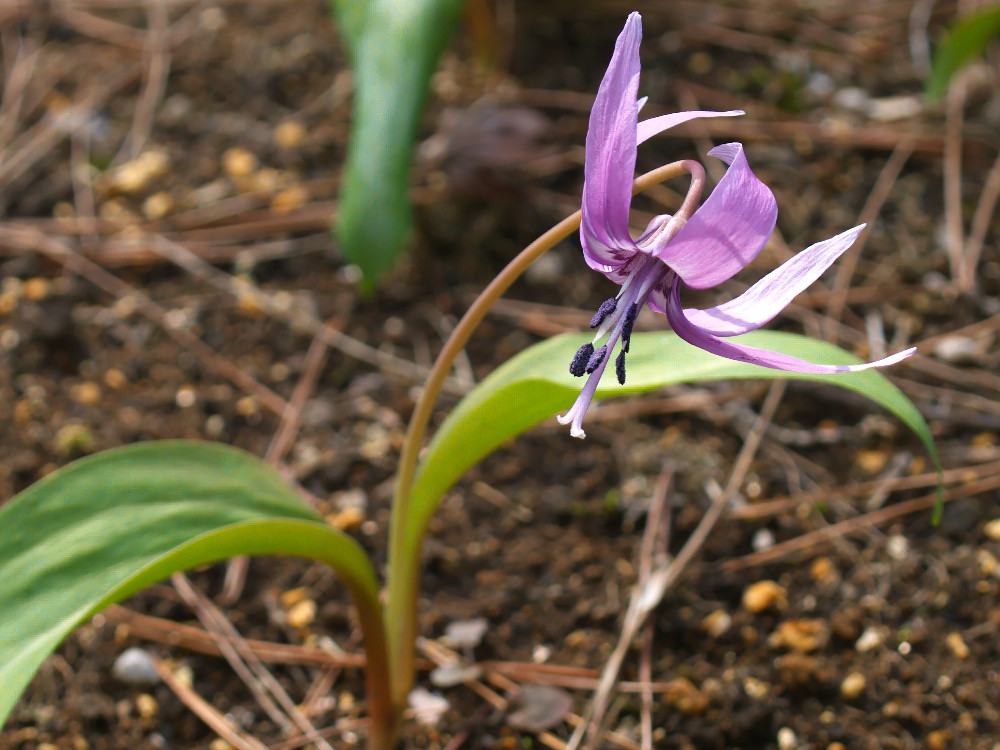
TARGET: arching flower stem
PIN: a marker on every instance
(408, 525)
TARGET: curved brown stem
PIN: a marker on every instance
(404, 543)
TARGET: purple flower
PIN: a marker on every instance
(719, 239)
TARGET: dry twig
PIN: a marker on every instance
(204, 710)
(643, 601)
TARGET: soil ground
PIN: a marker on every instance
(222, 127)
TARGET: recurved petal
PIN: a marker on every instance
(611, 142)
(742, 353)
(648, 128)
(769, 296)
(728, 230)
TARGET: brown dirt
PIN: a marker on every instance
(542, 538)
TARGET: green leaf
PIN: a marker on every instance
(394, 48)
(109, 525)
(964, 41)
(536, 384)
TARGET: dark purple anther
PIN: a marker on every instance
(607, 307)
(630, 315)
(620, 367)
(578, 366)
(596, 358)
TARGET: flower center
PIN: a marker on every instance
(615, 318)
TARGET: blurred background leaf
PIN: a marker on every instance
(964, 41)
(394, 47)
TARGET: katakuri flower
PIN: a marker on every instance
(700, 249)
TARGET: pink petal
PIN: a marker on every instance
(742, 353)
(769, 296)
(606, 259)
(611, 143)
(648, 128)
(730, 228)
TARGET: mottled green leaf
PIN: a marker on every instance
(109, 525)
(536, 384)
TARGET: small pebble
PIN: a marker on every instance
(115, 379)
(939, 739)
(129, 178)
(302, 614)
(717, 623)
(762, 539)
(247, 407)
(823, 570)
(348, 519)
(853, 686)
(466, 633)
(289, 199)
(683, 695)
(987, 562)
(156, 162)
(36, 289)
(870, 640)
(215, 425)
(351, 498)
(185, 397)
(157, 206)
(134, 666)
(801, 635)
(756, 689)
(871, 462)
(280, 372)
(184, 675)
(992, 530)
(898, 547)
(292, 597)
(852, 98)
(956, 644)
(893, 108)
(453, 673)
(787, 740)
(117, 211)
(765, 595)
(146, 705)
(289, 134)
(264, 180)
(72, 439)
(135, 175)
(958, 350)
(238, 162)
(539, 707)
(427, 707)
(87, 393)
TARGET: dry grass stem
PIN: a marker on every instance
(204, 711)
